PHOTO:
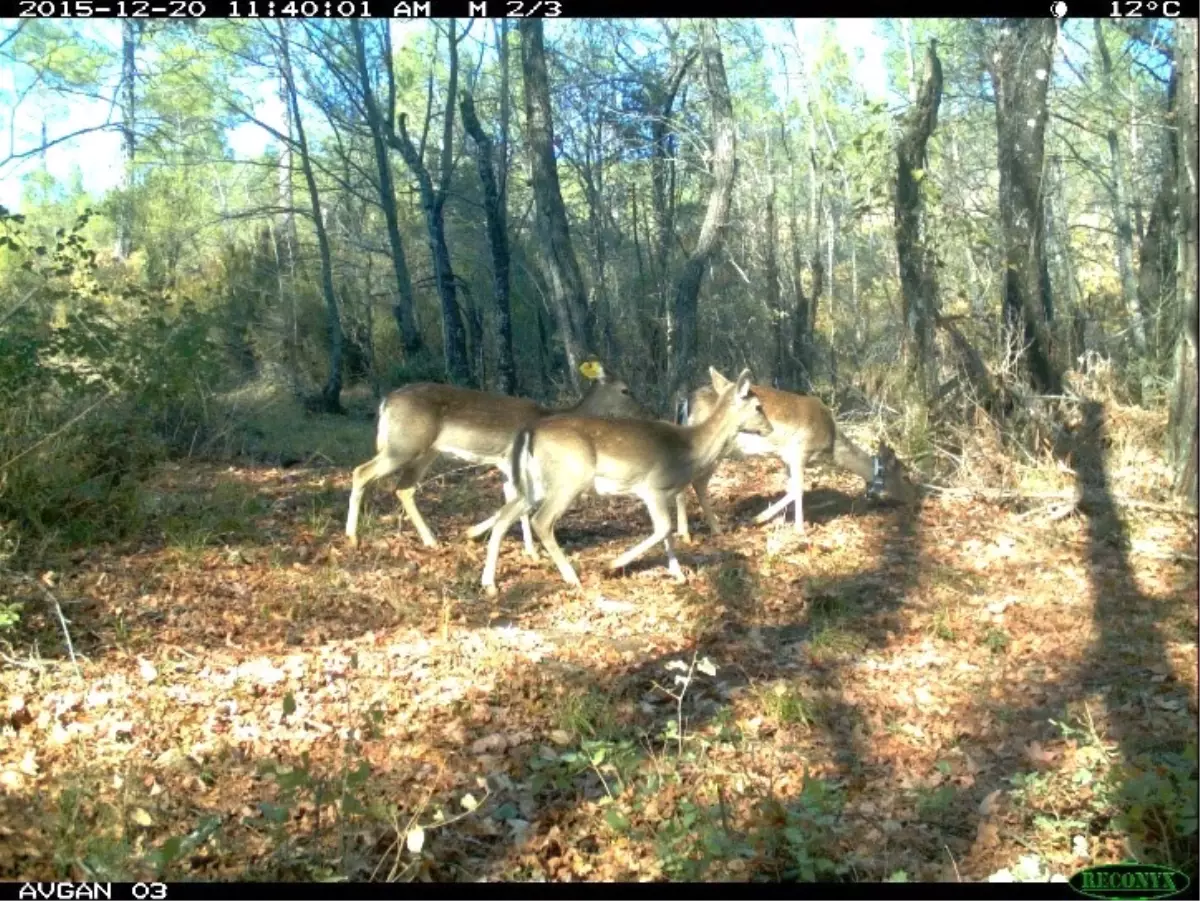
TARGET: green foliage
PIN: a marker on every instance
(795, 837)
(1158, 795)
(99, 378)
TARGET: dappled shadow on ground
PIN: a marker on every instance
(876, 682)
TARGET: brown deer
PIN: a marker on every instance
(420, 421)
(802, 428)
(556, 459)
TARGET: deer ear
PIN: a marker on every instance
(744, 383)
(719, 382)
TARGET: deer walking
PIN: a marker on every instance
(802, 429)
(556, 459)
(420, 421)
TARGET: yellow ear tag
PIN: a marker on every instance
(591, 369)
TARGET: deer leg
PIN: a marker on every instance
(681, 517)
(508, 514)
(410, 477)
(772, 511)
(660, 514)
(547, 516)
(797, 473)
(377, 467)
(701, 488)
(510, 493)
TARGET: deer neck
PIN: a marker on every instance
(712, 437)
(850, 456)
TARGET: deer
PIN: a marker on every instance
(556, 459)
(420, 421)
(803, 429)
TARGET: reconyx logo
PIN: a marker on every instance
(1129, 882)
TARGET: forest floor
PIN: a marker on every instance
(956, 691)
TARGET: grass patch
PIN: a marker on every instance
(787, 705)
(831, 642)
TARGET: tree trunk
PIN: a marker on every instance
(332, 392)
(778, 314)
(662, 195)
(681, 336)
(130, 31)
(559, 266)
(1182, 422)
(1119, 201)
(918, 276)
(433, 201)
(497, 229)
(1157, 260)
(799, 360)
(1020, 72)
(404, 305)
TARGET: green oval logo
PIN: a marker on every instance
(1129, 881)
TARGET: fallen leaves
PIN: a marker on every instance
(211, 663)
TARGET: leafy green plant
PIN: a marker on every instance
(1158, 795)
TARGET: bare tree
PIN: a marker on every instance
(404, 305)
(1020, 71)
(557, 259)
(332, 391)
(918, 276)
(681, 336)
(1182, 423)
(497, 230)
(1119, 200)
(131, 32)
(433, 203)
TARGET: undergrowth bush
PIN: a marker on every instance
(99, 379)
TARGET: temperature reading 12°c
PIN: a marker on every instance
(1136, 9)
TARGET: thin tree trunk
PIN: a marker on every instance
(1182, 422)
(918, 276)
(1160, 244)
(404, 304)
(433, 201)
(778, 315)
(1119, 201)
(559, 266)
(130, 31)
(662, 184)
(497, 229)
(332, 392)
(1020, 71)
(681, 337)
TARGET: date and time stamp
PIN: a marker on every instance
(415, 9)
(274, 9)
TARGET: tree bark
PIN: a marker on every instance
(662, 196)
(404, 305)
(131, 29)
(497, 229)
(1119, 201)
(1020, 72)
(1182, 420)
(1159, 250)
(681, 336)
(558, 264)
(774, 305)
(332, 391)
(918, 275)
(433, 201)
